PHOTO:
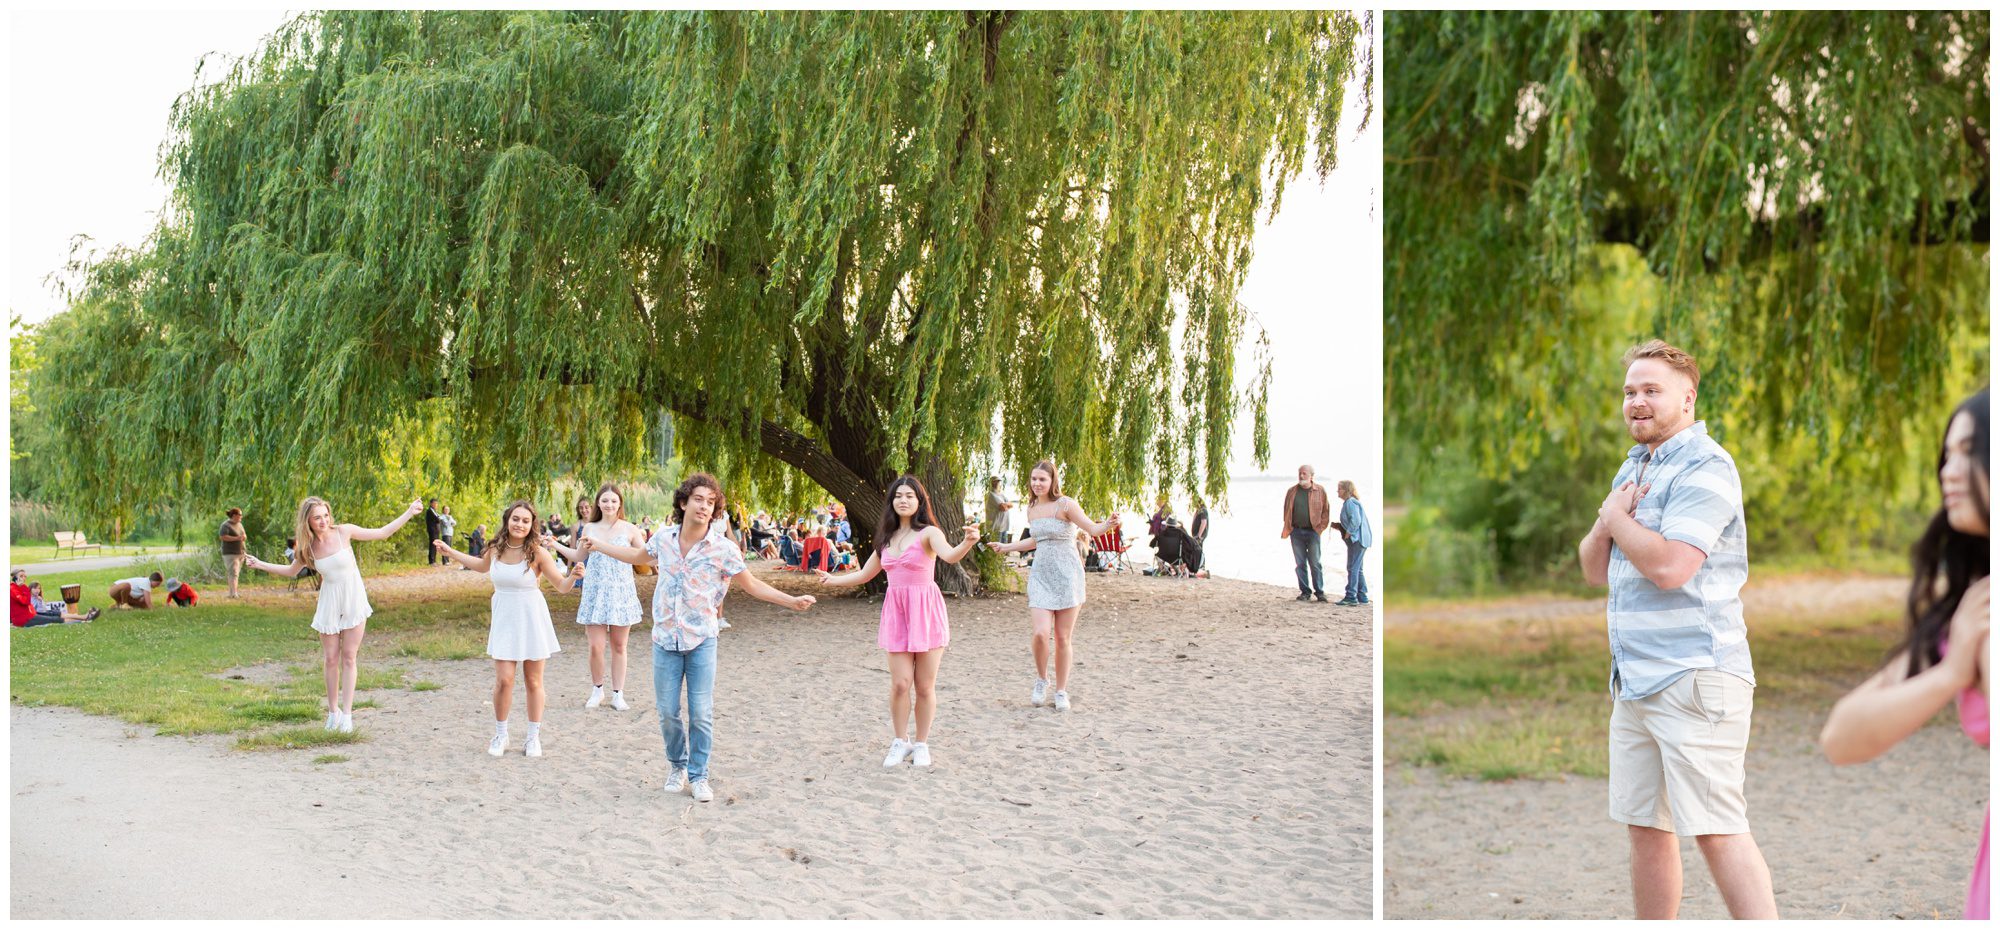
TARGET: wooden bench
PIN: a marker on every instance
(73, 542)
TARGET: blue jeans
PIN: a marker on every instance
(687, 745)
(1305, 554)
(1357, 586)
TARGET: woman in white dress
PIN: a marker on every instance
(342, 617)
(522, 631)
(609, 607)
(1055, 580)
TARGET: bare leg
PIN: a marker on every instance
(1045, 621)
(503, 689)
(329, 648)
(902, 685)
(926, 673)
(1656, 873)
(537, 697)
(350, 665)
(1065, 631)
(595, 633)
(617, 636)
(1741, 875)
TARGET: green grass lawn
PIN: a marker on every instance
(165, 667)
(1530, 700)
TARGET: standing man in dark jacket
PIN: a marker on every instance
(1307, 515)
(433, 527)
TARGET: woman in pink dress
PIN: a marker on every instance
(914, 631)
(1943, 659)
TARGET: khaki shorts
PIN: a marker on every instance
(1677, 756)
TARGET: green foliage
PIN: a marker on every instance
(482, 251)
(1798, 199)
(298, 738)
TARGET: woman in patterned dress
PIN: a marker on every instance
(1055, 580)
(609, 607)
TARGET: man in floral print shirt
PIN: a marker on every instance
(697, 566)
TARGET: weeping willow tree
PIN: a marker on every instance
(836, 246)
(1806, 193)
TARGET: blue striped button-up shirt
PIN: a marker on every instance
(1658, 635)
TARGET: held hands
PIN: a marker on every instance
(824, 576)
(972, 533)
(1625, 500)
(440, 545)
(803, 601)
(586, 546)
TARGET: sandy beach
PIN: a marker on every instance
(1217, 763)
(1894, 838)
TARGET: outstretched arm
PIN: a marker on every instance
(1890, 706)
(386, 530)
(945, 550)
(568, 553)
(282, 571)
(636, 555)
(851, 579)
(475, 564)
(564, 582)
(1024, 545)
(770, 595)
(1073, 512)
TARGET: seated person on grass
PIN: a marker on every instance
(28, 609)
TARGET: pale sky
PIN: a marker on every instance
(86, 110)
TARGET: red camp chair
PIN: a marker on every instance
(815, 554)
(1114, 545)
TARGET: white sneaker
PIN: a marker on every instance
(1062, 700)
(534, 747)
(498, 747)
(920, 754)
(898, 751)
(618, 701)
(332, 719)
(346, 724)
(1041, 689)
(596, 697)
(677, 781)
(702, 792)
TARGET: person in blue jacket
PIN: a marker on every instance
(1355, 531)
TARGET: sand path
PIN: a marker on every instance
(1893, 838)
(1217, 764)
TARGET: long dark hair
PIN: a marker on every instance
(891, 521)
(1961, 558)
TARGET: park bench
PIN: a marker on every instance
(73, 542)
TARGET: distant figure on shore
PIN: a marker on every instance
(1307, 515)
(1358, 535)
(476, 543)
(231, 537)
(1198, 528)
(432, 524)
(999, 512)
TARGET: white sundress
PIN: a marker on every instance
(522, 629)
(343, 602)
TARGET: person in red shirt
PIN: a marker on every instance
(180, 593)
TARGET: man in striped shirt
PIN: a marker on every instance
(1670, 542)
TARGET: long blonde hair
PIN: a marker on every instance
(302, 533)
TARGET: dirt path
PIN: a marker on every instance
(1792, 594)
